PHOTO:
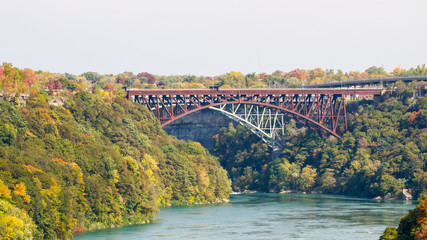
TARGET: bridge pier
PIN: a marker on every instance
(275, 153)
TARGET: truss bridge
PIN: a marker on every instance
(260, 110)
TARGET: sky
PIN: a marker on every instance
(207, 37)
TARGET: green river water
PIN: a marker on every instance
(268, 216)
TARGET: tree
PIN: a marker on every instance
(92, 76)
(376, 71)
(146, 77)
(234, 79)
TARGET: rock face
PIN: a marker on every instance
(200, 126)
(406, 195)
(387, 196)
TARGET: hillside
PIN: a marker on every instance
(384, 151)
(94, 163)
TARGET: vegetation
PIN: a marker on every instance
(91, 164)
(384, 151)
(17, 81)
(100, 161)
(413, 226)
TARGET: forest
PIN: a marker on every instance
(18, 81)
(99, 161)
(383, 151)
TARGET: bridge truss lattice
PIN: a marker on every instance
(261, 110)
(266, 123)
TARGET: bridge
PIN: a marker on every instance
(260, 110)
(369, 82)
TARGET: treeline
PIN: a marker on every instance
(383, 151)
(94, 163)
(16, 81)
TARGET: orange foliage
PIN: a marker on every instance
(364, 75)
(421, 234)
(86, 136)
(397, 71)
(58, 160)
(25, 111)
(72, 165)
(31, 169)
(109, 87)
(34, 91)
(44, 114)
(299, 73)
(422, 217)
(414, 115)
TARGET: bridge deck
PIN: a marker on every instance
(372, 81)
(269, 91)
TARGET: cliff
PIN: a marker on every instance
(200, 126)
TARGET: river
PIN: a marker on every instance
(268, 216)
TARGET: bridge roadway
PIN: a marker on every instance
(262, 91)
(260, 110)
(374, 81)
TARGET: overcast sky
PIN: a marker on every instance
(204, 37)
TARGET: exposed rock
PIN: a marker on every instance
(387, 196)
(286, 192)
(377, 198)
(57, 101)
(249, 191)
(406, 195)
(21, 100)
(199, 126)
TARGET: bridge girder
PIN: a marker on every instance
(319, 108)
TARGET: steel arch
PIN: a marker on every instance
(322, 108)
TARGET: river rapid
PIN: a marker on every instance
(268, 216)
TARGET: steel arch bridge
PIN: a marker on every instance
(260, 110)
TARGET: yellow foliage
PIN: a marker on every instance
(148, 159)
(236, 74)
(316, 81)
(202, 177)
(225, 86)
(15, 223)
(80, 176)
(194, 85)
(4, 191)
(21, 191)
(10, 226)
(397, 71)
